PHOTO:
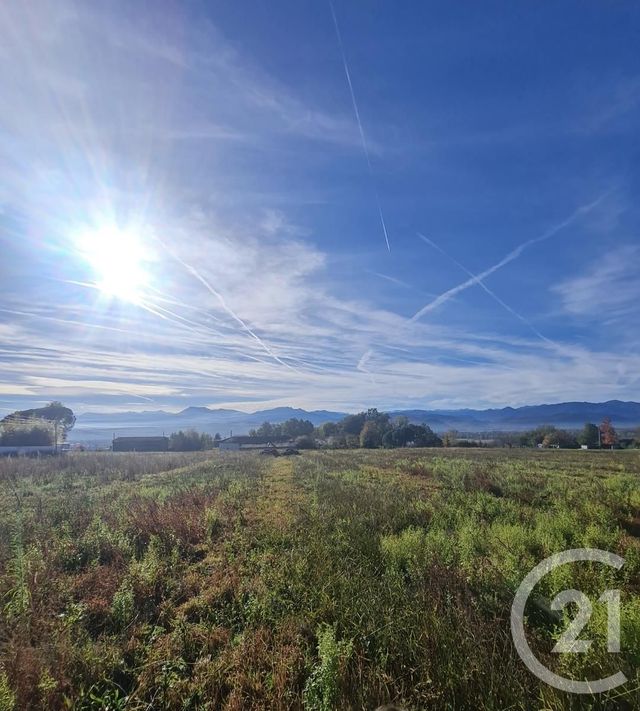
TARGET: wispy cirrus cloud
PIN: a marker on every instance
(92, 352)
(87, 95)
(510, 257)
(609, 289)
(611, 104)
(250, 172)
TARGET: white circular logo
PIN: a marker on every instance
(569, 642)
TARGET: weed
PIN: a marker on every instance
(323, 686)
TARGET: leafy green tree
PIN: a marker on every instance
(370, 436)
(60, 417)
(292, 428)
(266, 429)
(353, 424)
(329, 429)
(401, 436)
(190, 441)
(424, 436)
(560, 438)
(411, 435)
(536, 437)
(388, 440)
(36, 433)
(297, 428)
(590, 436)
(382, 419)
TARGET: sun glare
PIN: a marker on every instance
(116, 259)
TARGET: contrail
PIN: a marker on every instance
(196, 274)
(163, 297)
(68, 321)
(185, 321)
(199, 325)
(159, 311)
(363, 138)
(492, 294)
(364, 359)
(362, 365)
(514, 254)
(392, 279)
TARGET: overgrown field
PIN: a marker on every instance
(334, 580)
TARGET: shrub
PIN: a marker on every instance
(123, 605)
(321, 690)
(305, 442)
(213, 523)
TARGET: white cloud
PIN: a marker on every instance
(88, 75)
(323, 337)
(610, 289)
(90, 134)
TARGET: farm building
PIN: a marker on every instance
(140, 444)
(246, 442)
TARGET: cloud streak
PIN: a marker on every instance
(608, 291)
(510, 257)
(240, 158)
(356, 111)
(486, 289)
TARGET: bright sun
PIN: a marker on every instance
(117, 261)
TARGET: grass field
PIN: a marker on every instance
(334, 580)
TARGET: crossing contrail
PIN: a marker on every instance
(514, 254)
(363, 138)
(196, 274)
(491, 293)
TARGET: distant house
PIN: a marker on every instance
(246, 442)
(140, 444)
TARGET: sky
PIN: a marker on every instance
(274, 202)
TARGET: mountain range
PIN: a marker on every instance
(95, 427)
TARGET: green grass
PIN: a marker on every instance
(334, 580)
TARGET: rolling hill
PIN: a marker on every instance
(95, 427)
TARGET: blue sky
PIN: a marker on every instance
(212, 153)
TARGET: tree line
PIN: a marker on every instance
(291, 429)
(369, 429)
(592, 436)
(192, 441)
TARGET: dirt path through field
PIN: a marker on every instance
(280, 497)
